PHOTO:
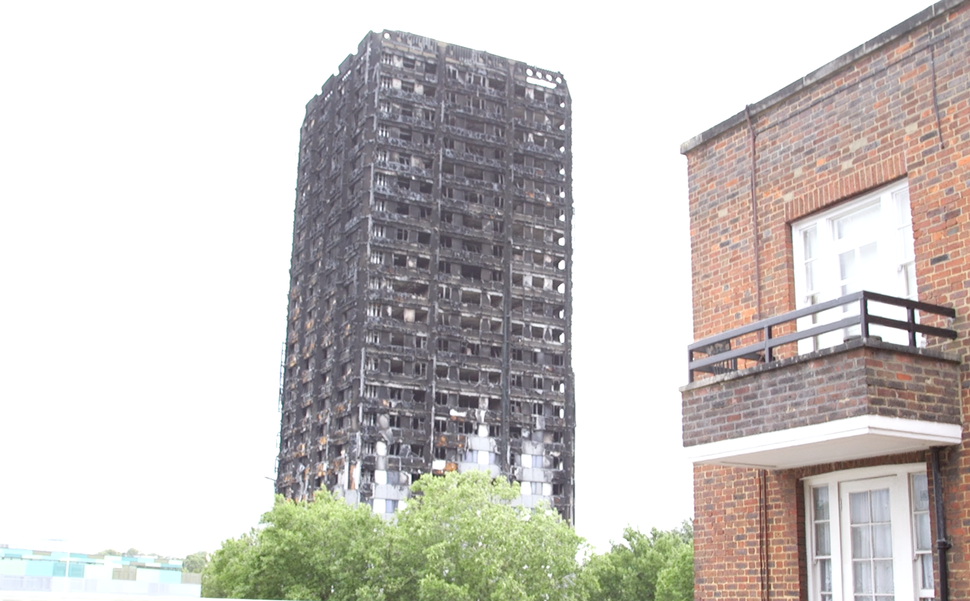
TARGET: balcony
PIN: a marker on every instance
(767, 401)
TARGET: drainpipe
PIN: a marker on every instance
(755, 234)
(942, 544)
(763, 527)
(756, 245)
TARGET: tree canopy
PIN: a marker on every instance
(459, 537)
(195, 562)
(654, 567)
(463, 539)
(326, 549)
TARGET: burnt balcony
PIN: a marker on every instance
(859, 376)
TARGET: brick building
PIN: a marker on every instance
(824, 413)
(429, 317)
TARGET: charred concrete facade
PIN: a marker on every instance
(826, 413)
(429, 305)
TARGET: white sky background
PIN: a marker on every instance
(148, 156)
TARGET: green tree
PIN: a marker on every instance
(227, 574)
(458, 538)
(461, 538)
(676, 581)
(654, 567)
(195, 562)
(320, 550)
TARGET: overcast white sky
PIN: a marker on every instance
(148, 155)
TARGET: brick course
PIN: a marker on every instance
(853, 379)
(864, 121)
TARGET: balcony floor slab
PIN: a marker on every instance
(839, 440)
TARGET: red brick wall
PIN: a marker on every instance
(829, 385)
(868, 124)
(727, 543)
(726, 540)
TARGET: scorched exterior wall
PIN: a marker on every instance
(429, 318)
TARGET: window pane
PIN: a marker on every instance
(909, 280)
(922, 527)
(882, 542)
(904, 221)
(821, 498)
(905, 241)
(926, 571)
(860, 223)
(867, 253)
(921, 493)
(859, 508)
(858, 267)
(825, 575)
(861, 577)
(823, 544)
(861, 542)
(904, 214)
(880, 505)
(810, 241)
(883, 576)
(847, 269)
(922, 535)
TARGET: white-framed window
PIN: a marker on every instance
(863, 244)
(868, 534)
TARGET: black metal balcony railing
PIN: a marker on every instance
(721, 353)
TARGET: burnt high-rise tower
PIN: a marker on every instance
(429, 305)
